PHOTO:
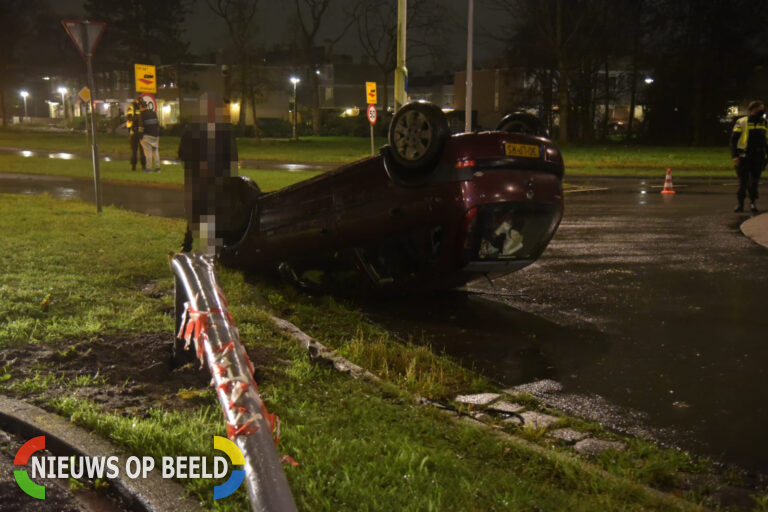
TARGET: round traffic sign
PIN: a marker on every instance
(149, 100)
(372, 114)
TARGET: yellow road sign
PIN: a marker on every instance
(370, 93)
(146, 78)
(85, 94)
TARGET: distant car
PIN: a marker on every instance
(431, 210)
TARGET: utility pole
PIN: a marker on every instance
(401, 72)
(468, 99)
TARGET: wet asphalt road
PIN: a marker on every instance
(657, 305)
(651, 311)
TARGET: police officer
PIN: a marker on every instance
(132, 123)
(748, 148)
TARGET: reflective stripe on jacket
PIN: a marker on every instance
(743, 127)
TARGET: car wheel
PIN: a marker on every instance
(417, 134)
(519, 122)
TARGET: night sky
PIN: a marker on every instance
(206, 32)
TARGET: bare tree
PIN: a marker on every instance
(377, 33)
(240, 16)
(310, 15)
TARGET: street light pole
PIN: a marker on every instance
(24, 95)
(470, 51)
(295, 81)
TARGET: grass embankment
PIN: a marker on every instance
(74, 280)
(613, 160)
(307, 149)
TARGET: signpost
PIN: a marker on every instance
(372, 100)
(150, 100)
(86, 36)
(146, 78)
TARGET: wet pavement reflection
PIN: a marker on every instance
(657, 304)
(158, 201)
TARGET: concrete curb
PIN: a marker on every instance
(756, 228)
(318, 351)
(153, 494)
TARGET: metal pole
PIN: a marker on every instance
(468, 100)
(401, 72)
(295, 112)
(94, 146)
(25, 106)
(208, 325)
(373, 152)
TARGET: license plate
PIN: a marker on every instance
(524, 150)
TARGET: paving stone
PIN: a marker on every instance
(505, 406)
(593, 446)
(537, 387)
(513, 420)
(568, 435)
(479, 399)
(537, 420)
(481, 416)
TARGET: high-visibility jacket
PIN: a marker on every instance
(750, 136)
(132, 119)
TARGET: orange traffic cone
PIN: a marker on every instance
(668, 188)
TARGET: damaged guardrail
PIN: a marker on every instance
(207, 324)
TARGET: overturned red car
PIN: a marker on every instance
(431, 210)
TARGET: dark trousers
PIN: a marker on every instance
(749, 171)
(135, 146)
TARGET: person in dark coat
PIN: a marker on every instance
(209, 152)
(149, 128)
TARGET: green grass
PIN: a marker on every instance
(307, 149)
(120, 172)
(360, 445)
(600, 159)
(618, 158)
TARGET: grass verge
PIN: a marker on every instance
(73, 278)
(119, 172)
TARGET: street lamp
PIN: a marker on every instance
(295, 81)
(24, 95)
(63, 91)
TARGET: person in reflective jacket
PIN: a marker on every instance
(748, 149)
(132, 123)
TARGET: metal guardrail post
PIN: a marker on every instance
(208, 325)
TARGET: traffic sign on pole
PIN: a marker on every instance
(146, 78)
(372, 115)
(370, 93)
(149, 100)
(85, 34)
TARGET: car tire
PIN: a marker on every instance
(417, 134)
(519, 122)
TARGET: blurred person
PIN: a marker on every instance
(209, 152)
(149, 128)
(132, 123)
(748, 149)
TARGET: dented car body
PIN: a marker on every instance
(431, 210)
